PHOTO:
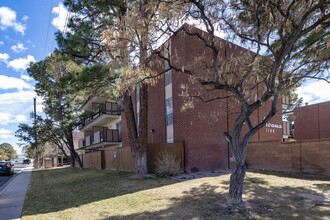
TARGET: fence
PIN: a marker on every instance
(121, 158)
(94, 160)
(311, 156)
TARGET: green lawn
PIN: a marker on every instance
(100, 194)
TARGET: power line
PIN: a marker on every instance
(59, 12)
(67, 18)
(50, 13)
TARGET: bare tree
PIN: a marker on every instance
(290, 43)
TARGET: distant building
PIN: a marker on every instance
(312, 121)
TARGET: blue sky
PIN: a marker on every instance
(23, 38)
(27, 30)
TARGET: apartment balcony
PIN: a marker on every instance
(101, 138)
(102, 116)
(285, 102)
(286, 128)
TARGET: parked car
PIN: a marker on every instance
(6, 168)
(26, 161)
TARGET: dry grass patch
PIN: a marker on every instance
(96, 194)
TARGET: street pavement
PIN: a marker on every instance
(13, 191)
(18, 168)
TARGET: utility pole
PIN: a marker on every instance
(35, 130)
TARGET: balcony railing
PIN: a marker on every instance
(109, 135)
(103, 109)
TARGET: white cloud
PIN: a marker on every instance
(2, 43)
(18, 48)
(5, 133)
(315, 92)
(4, 57)
(61, 16)
(25, 17)
(26, 77)
(199, 24)
(13, 83)
(17, 97)
(19, 118)
(39, 108)
(21, 64)
(8, 20)
(6, 118)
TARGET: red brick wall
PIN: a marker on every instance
(299, 156)
(324, 119)
(312, 122)
(156, 109)
(205, 146)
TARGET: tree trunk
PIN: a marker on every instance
(77, 158)
(142, 166)
(37, 160)
(139, 156)
(236, 184)
(73, 152)
(65, 154)
(140, 162)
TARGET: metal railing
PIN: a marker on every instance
(101, 110)
(109, 135)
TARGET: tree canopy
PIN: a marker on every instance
(57, 83)
(7, 151)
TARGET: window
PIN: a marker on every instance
(169, 119)
(168, 74)
(169, 141)
(169, 106)
(137, 98)
(138, 123)
(169, 111)
(168, 78)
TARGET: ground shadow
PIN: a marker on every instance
(205, 201)
(262, 201)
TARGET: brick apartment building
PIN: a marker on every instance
(204, 143)
(312, 121)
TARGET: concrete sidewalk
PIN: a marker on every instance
(12, 195)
